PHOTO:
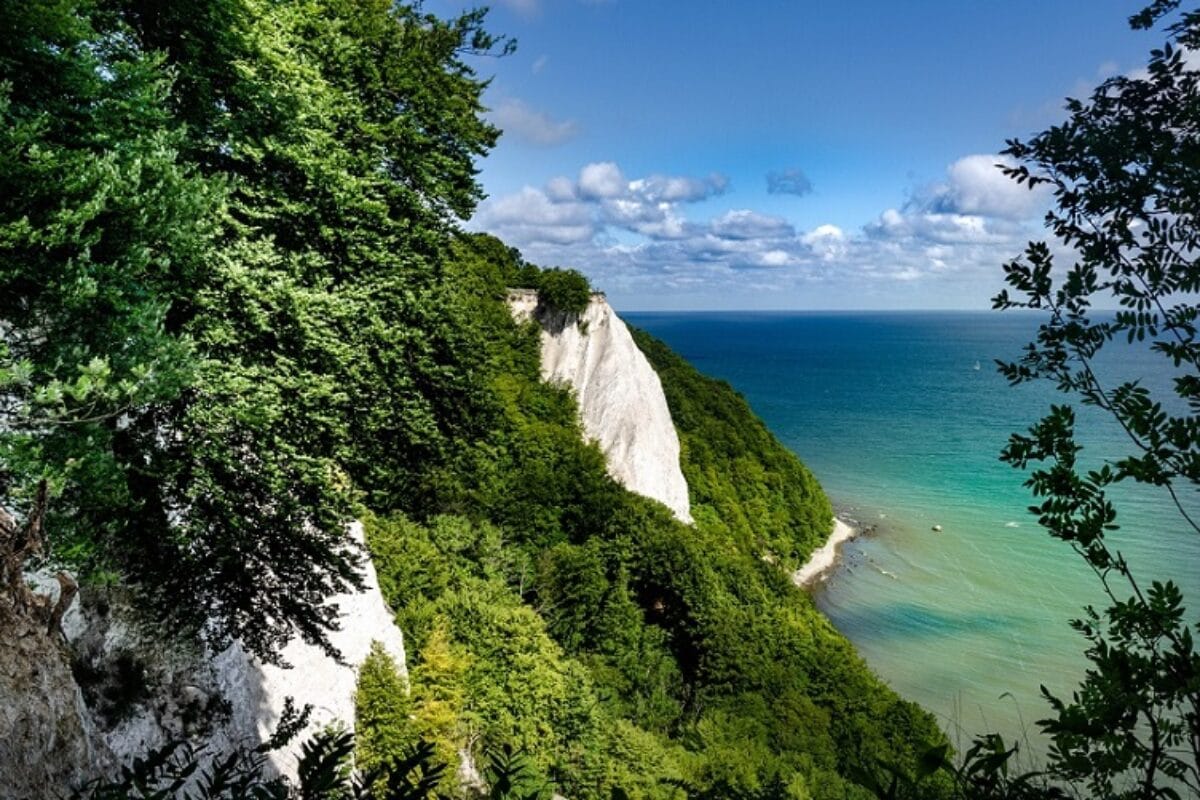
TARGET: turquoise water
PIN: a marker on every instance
(902, 416)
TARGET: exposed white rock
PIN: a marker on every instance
(620, 396)
(182, 686)
(259, 691)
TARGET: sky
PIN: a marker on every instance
(779, 154)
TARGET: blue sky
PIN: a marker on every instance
(776, 154)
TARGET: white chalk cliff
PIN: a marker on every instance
(620, 396)
(65, 740)
(259, 691)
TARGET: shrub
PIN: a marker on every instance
(564, 290)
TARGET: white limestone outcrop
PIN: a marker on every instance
(178, 689)
(259, 691)
(620, 396)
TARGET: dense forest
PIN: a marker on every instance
(237, 311)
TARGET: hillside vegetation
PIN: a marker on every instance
(236, 312)
(558, 612)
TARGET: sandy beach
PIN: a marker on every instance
(825, 558)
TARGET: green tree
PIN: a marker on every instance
(102, 224)
(382, 710)
(223, 232)
(1125, 173)
(439, 692)
(564, 290)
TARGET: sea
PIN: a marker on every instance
(952, 593)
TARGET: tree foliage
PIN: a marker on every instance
(223, 224)
(614, 644)
(1124, 173)
(564, 290)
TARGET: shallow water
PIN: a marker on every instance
(902, 416)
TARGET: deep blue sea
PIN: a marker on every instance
(902, 416)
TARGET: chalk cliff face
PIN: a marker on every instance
(47, 740)
(221, 701)
(620, 397)
(259, 691)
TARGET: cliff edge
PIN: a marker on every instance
(620, 396)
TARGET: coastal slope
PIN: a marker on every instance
(744, 483)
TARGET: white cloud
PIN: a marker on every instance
(824, 232)
(676, 189)
(570, 211)
(516, 118)
(636, 238)
(976, 206)
(977, 185)
(655, 220)
(747, 224)
(539, 64)
(828, 242)
(775, 258)
(601, 180)
(560, 189)
(975, 189)
(939, 227)
(530, 216)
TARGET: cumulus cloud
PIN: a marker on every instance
(531, 216)
(598, 199)
(747, 224)
(601, 180)
(666, 188)
(560, 189)
(827, 242)
(976, 185)
(938, 227)
(516, 118)
(655, 220)
(640, 235)
(976, 206)
(788, 181)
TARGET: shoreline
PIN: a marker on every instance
(825, 558)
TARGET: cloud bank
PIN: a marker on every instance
(635, 238)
